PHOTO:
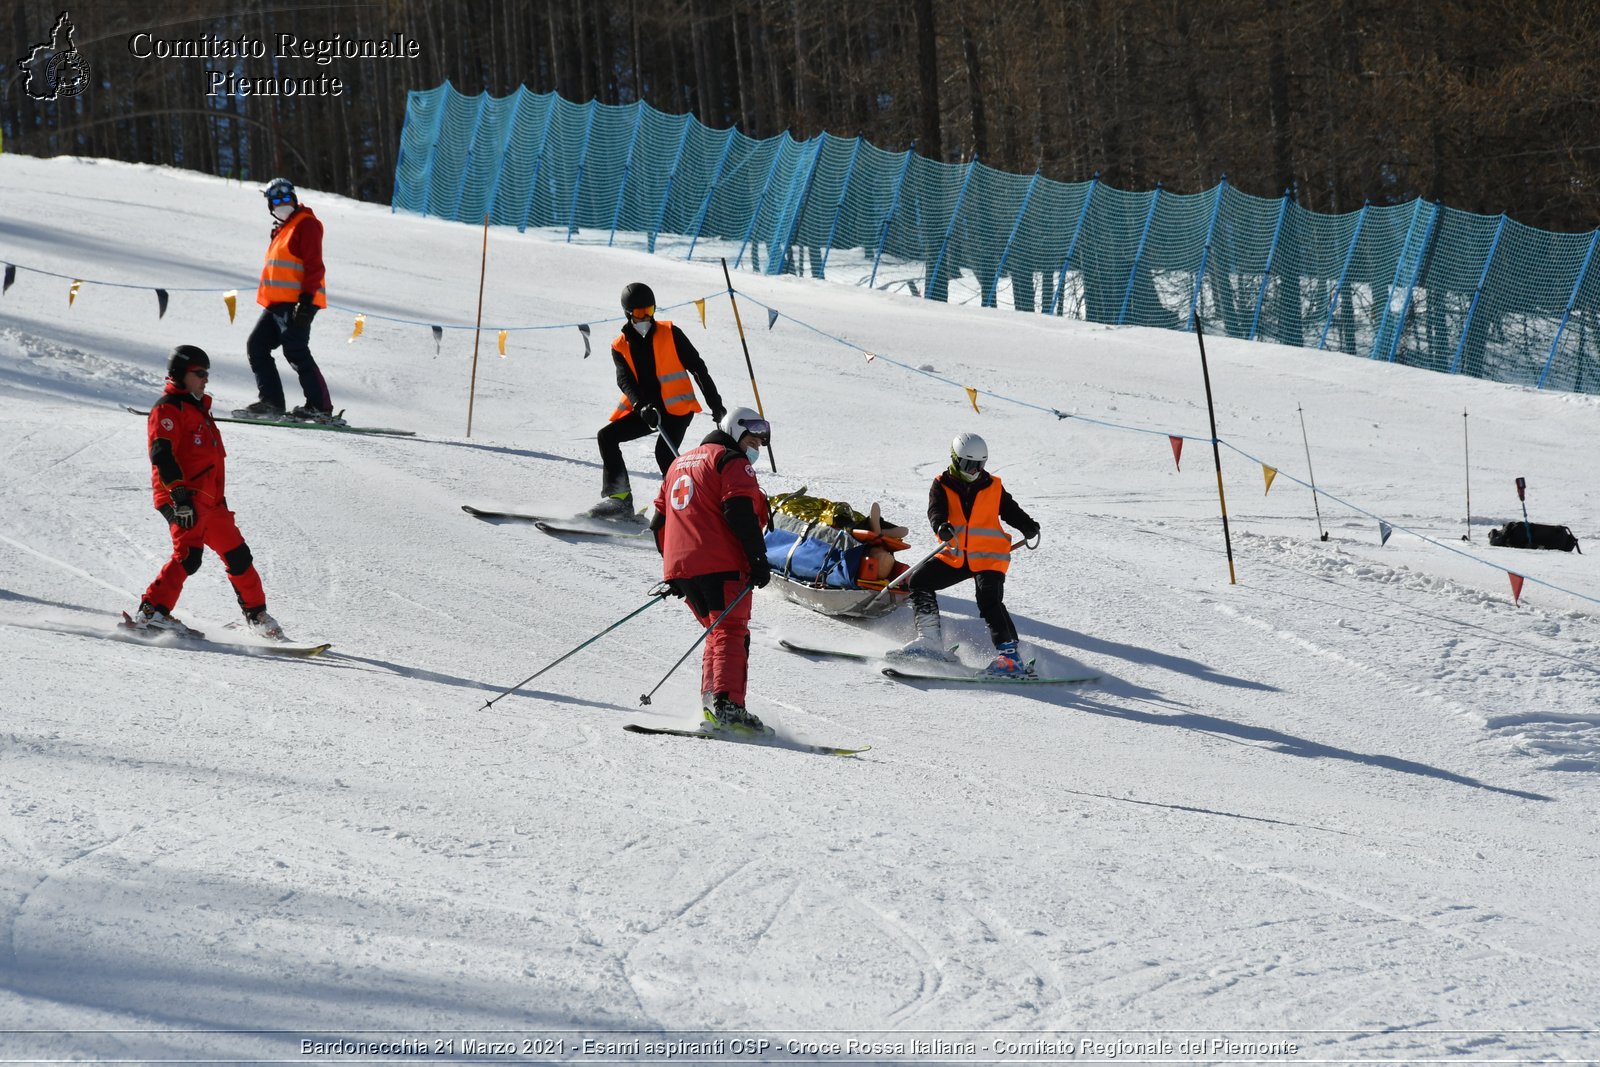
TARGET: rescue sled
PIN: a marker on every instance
(833, 560)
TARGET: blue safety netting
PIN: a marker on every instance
(1416, 283)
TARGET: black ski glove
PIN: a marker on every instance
(945, 532)
(305, 310)
(717, 413)
(760, 572)
(651, 417)
(1029, 532)
(183, 508)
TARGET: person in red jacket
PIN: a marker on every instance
(291, 292)
(188, 477)
(709, 516)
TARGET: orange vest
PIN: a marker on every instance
(283, 272)
(980, 541)
(677, 392)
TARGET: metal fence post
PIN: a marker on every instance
(944, 246)
(766, 190)
(838, 209)
(1344, 272)
(1205, 254)
(627, 169)
(672, 175)
(538, 162)
(1583, 272)
(583, 161)
(805, 195)
(1138, 255)
(1411, 289)
(1072, 246)
(711, 190)
(894, 208)
(1472, 310)
(1266, 270)
(1005, 254)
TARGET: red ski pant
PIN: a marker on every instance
(725, 664)
(213, 528)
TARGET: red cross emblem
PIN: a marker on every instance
(682, 492)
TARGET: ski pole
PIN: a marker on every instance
(656, 596)
(1522, 495)
(1323, 534)
(645, 697)
(906, 575)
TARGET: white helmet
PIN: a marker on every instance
(740, 421)
(968, 456)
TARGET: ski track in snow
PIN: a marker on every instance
(1351, 796)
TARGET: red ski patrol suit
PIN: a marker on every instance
(711, 512)
(186, 450)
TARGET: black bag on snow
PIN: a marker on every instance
(1515, 535)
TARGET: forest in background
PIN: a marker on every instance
(1487, 106)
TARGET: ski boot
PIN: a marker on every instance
(152, 621)
(259, 410)
(725, 715)
(928, 646)
(307, 413)
(1007, 664)
(616, 507)
(261, 624)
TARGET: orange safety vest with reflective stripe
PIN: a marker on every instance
(677, 391)
(283, 273)
(980, 542)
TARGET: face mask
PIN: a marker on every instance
(752, 454)
(281, 212)
(642, 326)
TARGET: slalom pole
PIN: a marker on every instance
(483, 266)
(1216, 450)
(644, 698)
(1466, 450)
(656, 595)
(1522, 495)
(1314, 504)
(748, 366)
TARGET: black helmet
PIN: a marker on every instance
(637, 295)
(183, 357)
(279, 189)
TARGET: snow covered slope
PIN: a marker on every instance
(1348, 802)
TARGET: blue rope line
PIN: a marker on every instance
(1421, 536)
(1187, 437)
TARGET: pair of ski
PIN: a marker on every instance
(957, 673)
(242, 415)
(188, 637)
(581, 525)
(767, 740)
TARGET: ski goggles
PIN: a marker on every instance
(640, 314)
(760, 429)
(276, 200)
(201, 371)
(969, 467)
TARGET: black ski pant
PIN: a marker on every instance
(631, 427)
(275, 328)
(989, 587)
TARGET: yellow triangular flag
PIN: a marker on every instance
(700, 305)
(361, 324)
(231, 298)
(1269, 473)
(502, 344)
(972, 395)
(72, 294)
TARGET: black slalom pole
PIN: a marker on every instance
(1216, 449)
(754, 388)
(1466, 451)
(1323, 534)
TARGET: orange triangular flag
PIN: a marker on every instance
(1177, 450)
(1269, 473)
(72, 294)
(1516, 587)
(361, 324)
(700, 306)
(502, 344)
(972, 395)
(231, 298)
